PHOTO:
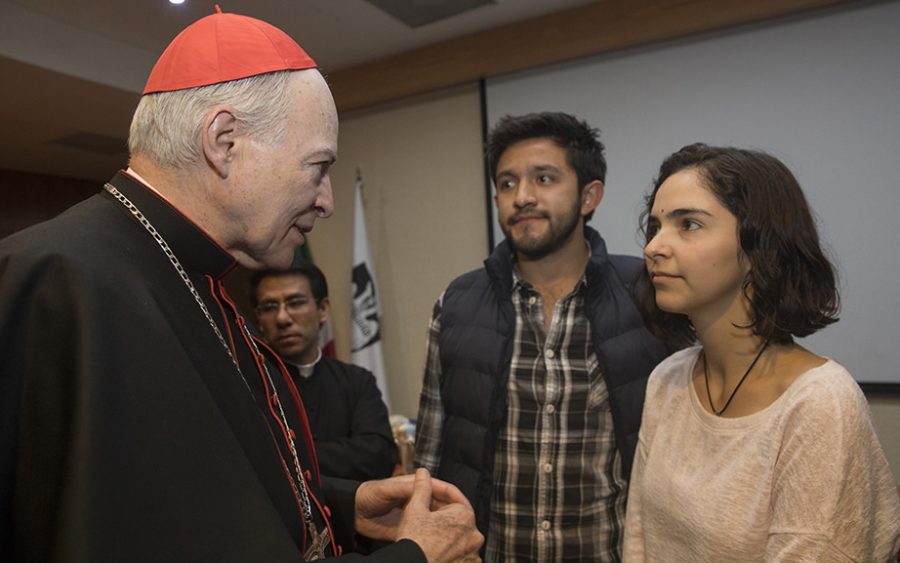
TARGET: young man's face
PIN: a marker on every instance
(289, 318)
(537, 198)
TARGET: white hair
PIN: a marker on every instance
(166, 125)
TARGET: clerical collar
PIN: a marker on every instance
(132, 172)
(307, 370)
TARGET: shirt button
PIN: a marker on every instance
(532, 300)
(545, 525)
(549, 354)
(548, 468)
(550, 409)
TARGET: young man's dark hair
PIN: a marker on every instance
(584, 151)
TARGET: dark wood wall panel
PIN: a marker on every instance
(26, 199)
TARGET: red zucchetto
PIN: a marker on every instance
(224, 47)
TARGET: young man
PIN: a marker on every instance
(537, 362)
(348, 419)
(140, 418)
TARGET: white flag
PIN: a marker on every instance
(366, 314)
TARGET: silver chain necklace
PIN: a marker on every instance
(320, 541)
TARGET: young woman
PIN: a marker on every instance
(752, 448)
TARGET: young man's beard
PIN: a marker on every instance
(557, 233)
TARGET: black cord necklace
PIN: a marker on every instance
(738, 386)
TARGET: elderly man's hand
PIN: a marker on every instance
(430, 512)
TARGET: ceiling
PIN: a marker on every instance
(73, 71)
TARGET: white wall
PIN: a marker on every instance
(820, 92)
(424, 203)
(886, 414)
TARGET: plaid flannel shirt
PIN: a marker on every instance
(559, 491)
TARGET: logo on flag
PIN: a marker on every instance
(366, 328)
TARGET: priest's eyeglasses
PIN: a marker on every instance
(291, 304)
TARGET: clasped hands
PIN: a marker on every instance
(432, 513)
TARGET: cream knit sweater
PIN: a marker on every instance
(805, 479)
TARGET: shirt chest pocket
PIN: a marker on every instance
(598, 395)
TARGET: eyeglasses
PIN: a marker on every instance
(291, 304)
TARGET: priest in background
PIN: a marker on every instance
(348, 419)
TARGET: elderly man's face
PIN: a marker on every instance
(284, 188)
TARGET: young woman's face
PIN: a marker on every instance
(693, 254)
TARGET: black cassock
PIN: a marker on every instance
(126, 432)
(348, 419)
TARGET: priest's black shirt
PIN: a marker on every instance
(349, 421)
